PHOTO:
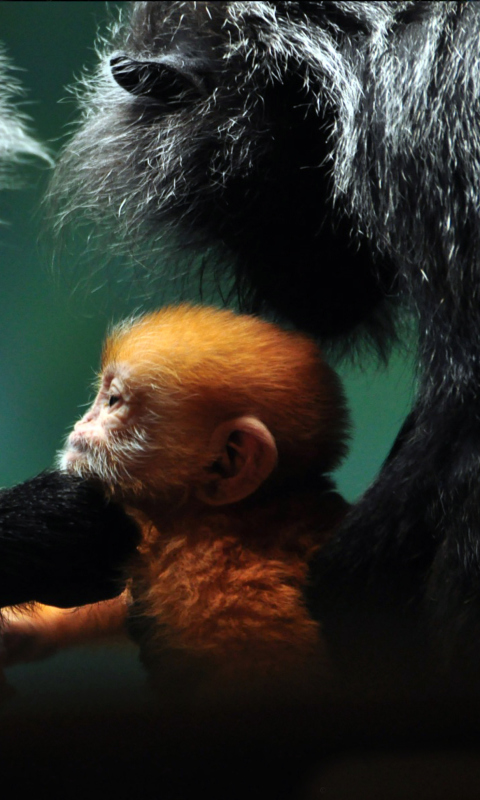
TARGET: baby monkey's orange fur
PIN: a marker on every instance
(216, 431)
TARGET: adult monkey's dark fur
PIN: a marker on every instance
(61, 542)
(331, 152)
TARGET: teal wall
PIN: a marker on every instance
(50, 335)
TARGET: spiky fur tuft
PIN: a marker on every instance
(15, 141)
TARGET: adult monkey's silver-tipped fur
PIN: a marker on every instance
(329, 154)
(184, 122)
(15, 141)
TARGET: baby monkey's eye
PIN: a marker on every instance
(113, 400)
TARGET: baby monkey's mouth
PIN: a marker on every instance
(76, 456)
(73, 459)
(76, 443)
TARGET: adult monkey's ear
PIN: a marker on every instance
(171, 80)
(247, 454)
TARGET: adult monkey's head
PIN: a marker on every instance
(262, 137)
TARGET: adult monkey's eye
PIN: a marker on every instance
(113, 400)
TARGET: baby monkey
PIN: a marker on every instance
(216, 431)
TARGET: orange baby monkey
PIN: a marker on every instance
(216, 431)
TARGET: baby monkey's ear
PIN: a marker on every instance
(247, 454)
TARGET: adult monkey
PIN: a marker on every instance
(60, 542)
(330, 151)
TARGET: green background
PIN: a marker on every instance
(51, 333)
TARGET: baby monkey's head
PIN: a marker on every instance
(200, 402)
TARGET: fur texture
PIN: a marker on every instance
(61, 543)
(330, 153)
(218, 598)
(15, 141)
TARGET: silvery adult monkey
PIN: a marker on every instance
(326, 157)
(60, 542)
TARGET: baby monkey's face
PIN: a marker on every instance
(134, 439)
(197, 403)
(109, 440)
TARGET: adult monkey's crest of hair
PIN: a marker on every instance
(232, 130)
(15, 141)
